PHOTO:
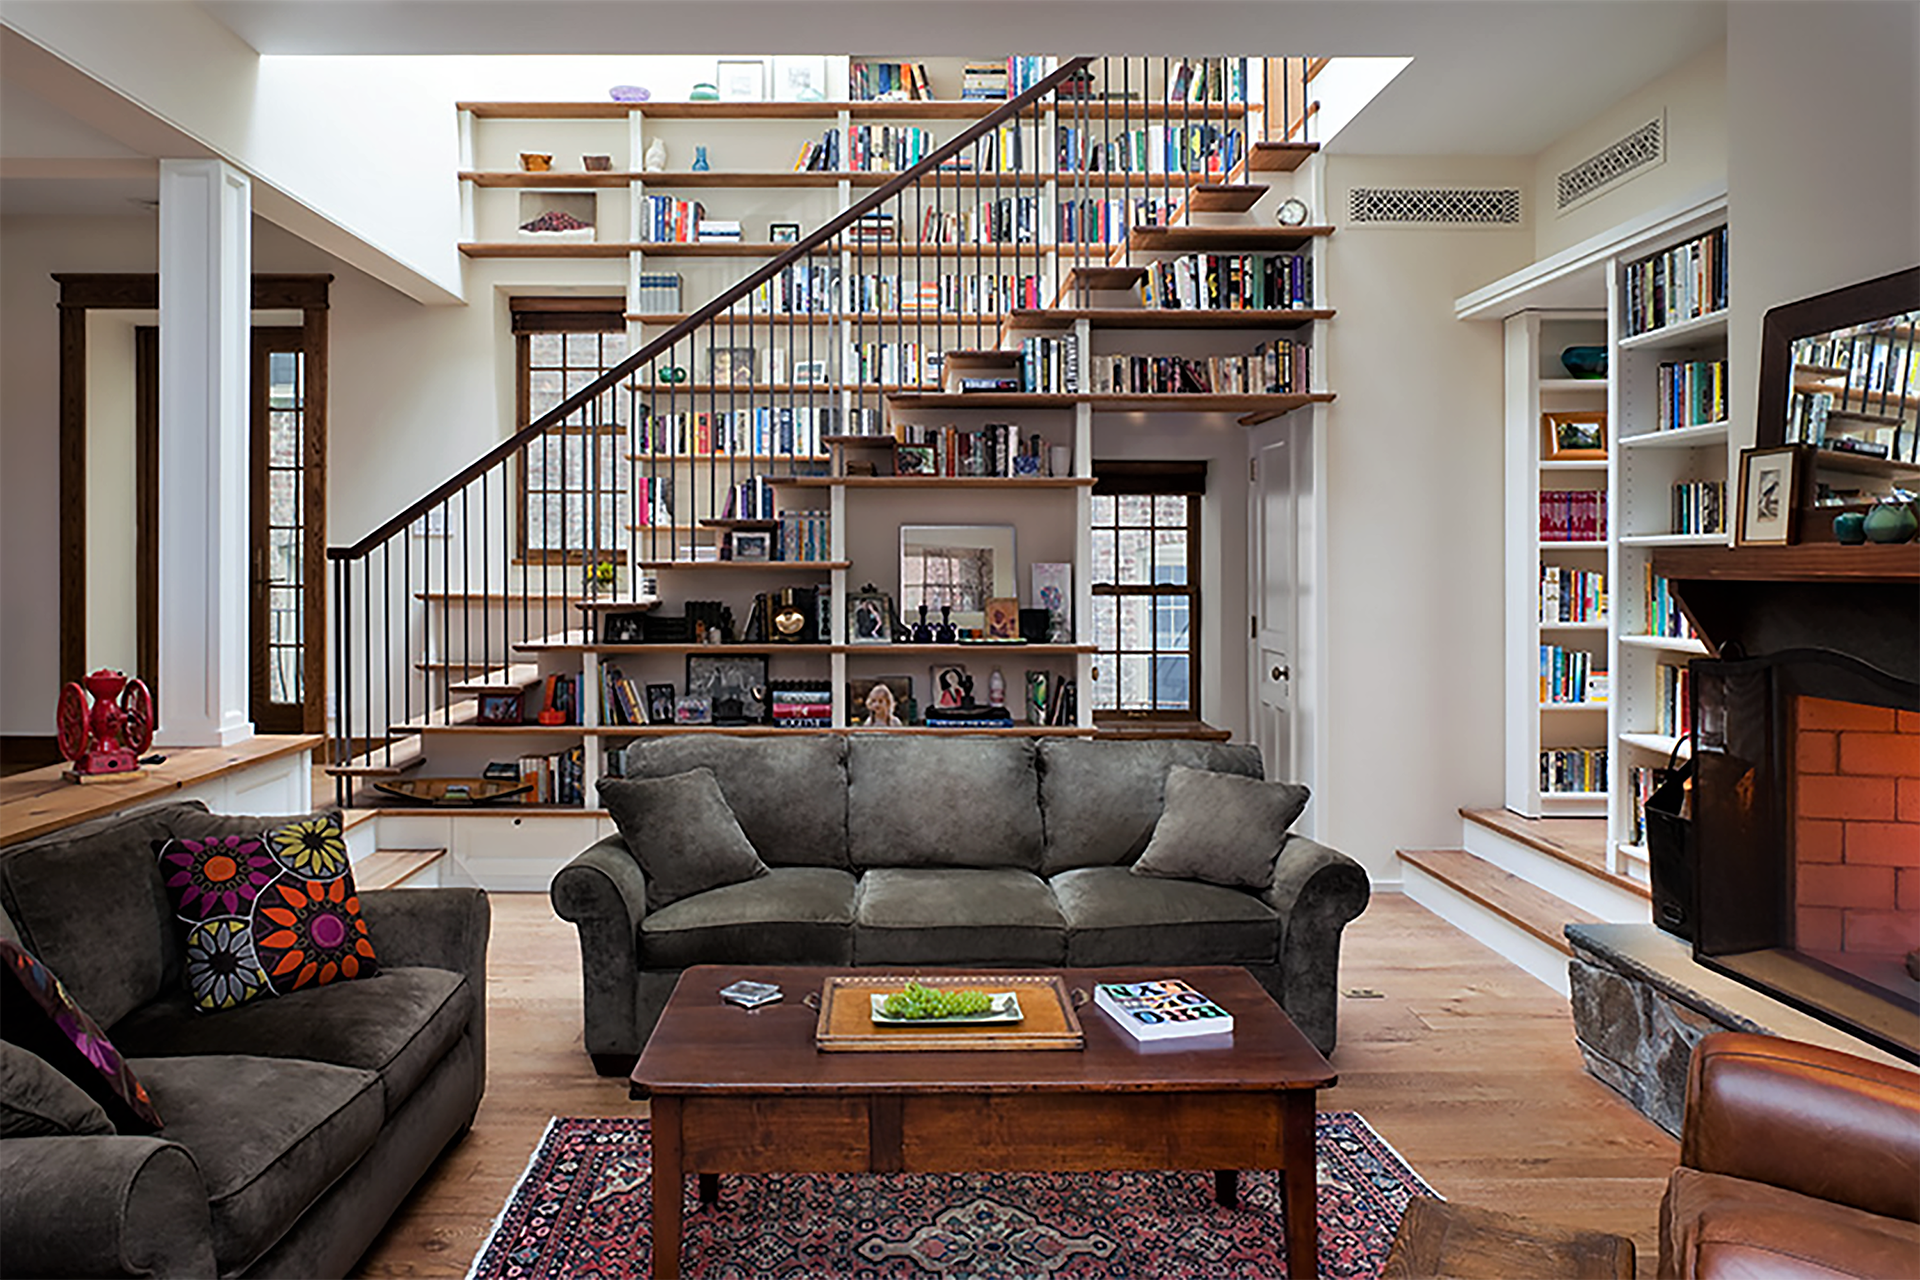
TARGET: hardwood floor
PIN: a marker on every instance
(1465, 1064)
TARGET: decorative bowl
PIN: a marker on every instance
(1585, 362)
(536, 161)
(630, 93)
(1890, 522)
(596, 164)
(1849, 528)
(703, 92)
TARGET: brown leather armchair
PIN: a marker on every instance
(1794, 1161)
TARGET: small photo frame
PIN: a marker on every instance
(1575, 437)
(660, 704)
(1770, 482)
(950, 688)
(741, 79)
(801, 78)
(870, 617)
(810, 373)
(623, 628)
(880, 702)
(1003, 618)
(751, 544)
(692, 711)
(733, 685)
(783, 232)
(730, 365)
(500, 708)
(913, 460)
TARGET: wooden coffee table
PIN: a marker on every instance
(735, 1091)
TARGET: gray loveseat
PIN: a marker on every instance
(293, 1127)
(920, 850)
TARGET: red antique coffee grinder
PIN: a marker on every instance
(109, 739)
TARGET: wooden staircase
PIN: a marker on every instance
(1518, 882)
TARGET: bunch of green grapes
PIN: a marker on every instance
(935, 1002)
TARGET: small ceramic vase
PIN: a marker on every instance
(996, 689)
(655, 160)
(1848, 528)
(700, 160)
(1890, 522)
(922, 630)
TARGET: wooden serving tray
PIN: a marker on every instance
(453, 792)
(846, 1015)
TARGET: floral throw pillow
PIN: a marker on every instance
(39, 1015)
(266, 914)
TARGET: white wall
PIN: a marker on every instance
(1413, 722)
(1692, 98)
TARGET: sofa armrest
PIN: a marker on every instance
(103, 1206)
(1816, 1121)
(1316, 890)
(437, 929)
(604, 893)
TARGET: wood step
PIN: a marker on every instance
(1279, 157)
(1578, 842)
(383, 762)
(1506, 895)
(1103, 278)
(385, 868)
(511, 678)
(1221, 197)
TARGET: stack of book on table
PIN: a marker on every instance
(1162, 1009)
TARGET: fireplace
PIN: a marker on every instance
(1806, 809)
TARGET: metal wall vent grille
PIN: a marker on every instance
(1643, 147)
(1457, 206)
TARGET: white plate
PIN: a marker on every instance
(1005, 1008)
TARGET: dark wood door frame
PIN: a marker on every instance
(81, 292)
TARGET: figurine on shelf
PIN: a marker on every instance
(996, 689)
(946, 632)
(700, 164)
(922, 630)
(655, 159)
(109, 737)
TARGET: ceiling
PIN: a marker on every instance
(1488, 77)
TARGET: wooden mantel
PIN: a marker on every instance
(1809, 562)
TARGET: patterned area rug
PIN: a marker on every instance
(583, 1210)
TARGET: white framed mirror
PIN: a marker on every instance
(961, 565)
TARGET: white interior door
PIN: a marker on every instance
(1273, 590)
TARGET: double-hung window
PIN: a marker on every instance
(562, 345)
(1146, 595)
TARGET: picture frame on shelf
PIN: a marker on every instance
(1053, 591)
(733, 685)
(800, 78)
(880, 702)
(783, 232)
(949, 687)
(730, 365)
(870, 616)
(913, 460)
(741, 79)
(957, 568)
(811, 373)
(1003, 618)
(1575, 436)
(501, 709)
(660, 703)
(691, 710)
(751, 544)
(1770, 485)
(623, 628)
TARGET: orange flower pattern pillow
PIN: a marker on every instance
(265, 915)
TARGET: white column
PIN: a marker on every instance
(206, 254)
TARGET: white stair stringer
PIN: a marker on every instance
(1593, 894)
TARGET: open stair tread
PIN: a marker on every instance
(1581, 843)
(382, 762)
(510, 678)
(1524, 905)
(1279, 157)
(1225, 197)
(385, 868)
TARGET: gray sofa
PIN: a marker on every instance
(920, 850)
(293, 1127)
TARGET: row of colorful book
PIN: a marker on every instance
(1573, 770)
(1278, 367)
(1228, 282)
(1568, 676)
(1573, 515)
(1572, 595)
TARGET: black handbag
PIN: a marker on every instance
(1669, 825)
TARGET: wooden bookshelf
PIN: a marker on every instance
(1165, 318)
(1226, 239)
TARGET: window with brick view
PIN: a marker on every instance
(562, 345)
(1146, 601)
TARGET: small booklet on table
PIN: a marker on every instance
(1164, 1009)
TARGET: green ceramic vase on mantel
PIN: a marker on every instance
(1891, 521)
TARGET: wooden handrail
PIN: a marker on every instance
(665, 342)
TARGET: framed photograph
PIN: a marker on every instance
(734, 685)
(623, 628)
(800, 78)
(784, 232)
(913, 459)
(500, 708)
(870, 616)
(810, 372)
(880, 702)
(1575, 437)
(741, 79)
(1003, 618)
(660, 703)
(692, 711)
(751, 544)
(730, 364)
(950, 688)
(957, 567)
(1770, 481)
(1053, 591)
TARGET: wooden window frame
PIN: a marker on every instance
(562, 316)
(1188, 480)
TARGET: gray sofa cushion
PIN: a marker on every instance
(925, 916)
(270, 1135)
(1117, 918)
(789, 793)
(1221, 829)
(398, 1024)
(1102, 799)
(36, 1101)
(922, 801)
(791, 915)
(683, 832)
(89, 903)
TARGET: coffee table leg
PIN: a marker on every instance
(668, 1188)
(1226, 1187)
(1299, 1193)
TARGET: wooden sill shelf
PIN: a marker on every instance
(1257, 408)
(1166, 318)
(1226, 239)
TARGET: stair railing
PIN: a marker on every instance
(670, 454)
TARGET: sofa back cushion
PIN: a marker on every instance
(1101, 800)
(788, 794)
(925, 801)
(89, 902)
